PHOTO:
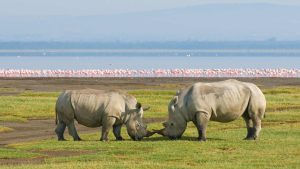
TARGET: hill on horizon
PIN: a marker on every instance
(213, 22)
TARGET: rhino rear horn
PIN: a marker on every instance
(145, 108)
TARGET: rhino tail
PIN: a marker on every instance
(55, 116)
(264, 113)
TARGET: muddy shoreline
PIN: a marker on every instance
(59, 84)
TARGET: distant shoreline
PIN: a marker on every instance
(267, 44)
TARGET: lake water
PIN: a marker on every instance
(148, 59)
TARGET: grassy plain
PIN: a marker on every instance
(278, 146)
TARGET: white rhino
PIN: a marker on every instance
(94, 108)
(222, 101)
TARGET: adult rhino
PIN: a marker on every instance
(94, 108)
(222, 101)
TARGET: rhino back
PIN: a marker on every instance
(224, 101)
(91, 108)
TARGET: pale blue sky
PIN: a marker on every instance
(106, 7)
(149, 20)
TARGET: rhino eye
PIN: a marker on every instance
(172, 124)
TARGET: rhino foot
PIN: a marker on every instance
(201, 139)
(77, 139)
(62, 139)
(120, 139)
(104, 140)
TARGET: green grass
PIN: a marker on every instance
(277, 147)
(7, 89)
(158, 101)
(6, 153)
(5, 129)
(282, 98)
(27, 105)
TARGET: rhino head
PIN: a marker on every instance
(176, 124)
(136, 129)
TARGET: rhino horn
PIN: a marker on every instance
(145, 108)
(160, 132)
(149, 133)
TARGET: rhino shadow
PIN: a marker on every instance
(184, 138)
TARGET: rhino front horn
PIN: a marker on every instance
(149, 133)
(160, 132)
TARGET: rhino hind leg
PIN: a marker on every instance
(201, 123)
(73, 132)
(249, 125)
(60, 129)
(256, 127)
(254, 130)
(117, 132)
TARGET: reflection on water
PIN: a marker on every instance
(148, 59)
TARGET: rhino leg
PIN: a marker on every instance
(117, 132)
(60, 129)
(250, 129)
(73, 131)
(201, 123)
(256, 127)
(107, 125)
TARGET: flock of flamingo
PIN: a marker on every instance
(152, 73)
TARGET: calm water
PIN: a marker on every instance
(148, 59)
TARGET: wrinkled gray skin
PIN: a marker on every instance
(222, 101)
(94, 108)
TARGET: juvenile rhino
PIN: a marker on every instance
(222, 101)
(94, 108)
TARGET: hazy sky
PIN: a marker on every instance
(106, 7)
(127, 20)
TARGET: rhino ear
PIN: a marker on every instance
(175, 100)
(138, 105)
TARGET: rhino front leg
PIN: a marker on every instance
(201, 121)
(73, 131)
(107, 125)
(117, 132)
